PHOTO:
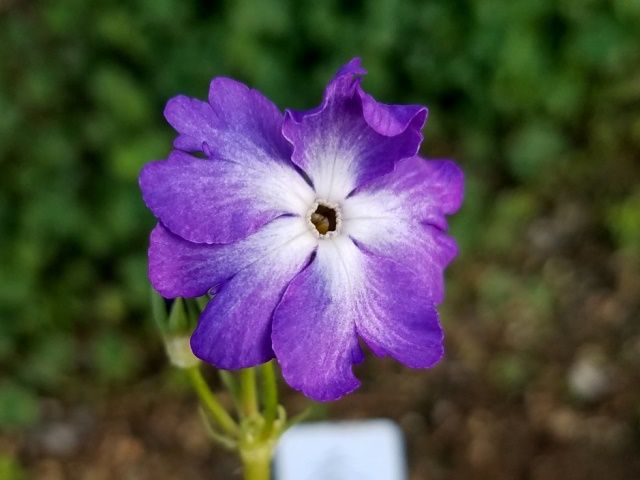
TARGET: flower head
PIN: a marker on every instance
(316, 230)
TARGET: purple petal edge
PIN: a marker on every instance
(385, 119)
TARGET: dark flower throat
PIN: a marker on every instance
(324, 219)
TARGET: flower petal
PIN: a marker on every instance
(425, 189)
(398, 319)
(344, 292)
(219, 201)
(340, 147)
(237, 124)
(178, 268)
(385, 119)
(314, 332)
(352, 67)
(392, 120)
(234, 330)
(401, 216)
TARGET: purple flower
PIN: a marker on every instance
(316, 230)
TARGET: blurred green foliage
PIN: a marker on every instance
(624, 222)
(537, 99)
(18, 407)
(10, 469)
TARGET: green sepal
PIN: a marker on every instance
(159, 311)
(178, 322)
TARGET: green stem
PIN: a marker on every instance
(248, 394)
(270, 392)
(211, 403)
(232, 386)
(257, 464)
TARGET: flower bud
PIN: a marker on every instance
(178, 350)
(176, 320)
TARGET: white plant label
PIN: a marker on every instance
(363, 450)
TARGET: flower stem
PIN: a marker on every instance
(248, 394)
(257, 464)
(211, 403)
(232, 387)
(270, 393)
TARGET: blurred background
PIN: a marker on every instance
(538, 100)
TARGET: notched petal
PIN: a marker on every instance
(206, 201)
(237, 124)
(350, 139)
